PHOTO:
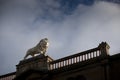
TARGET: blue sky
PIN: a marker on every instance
(71, 26)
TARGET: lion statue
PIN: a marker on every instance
(40, 48)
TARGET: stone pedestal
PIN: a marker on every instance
(39, 63)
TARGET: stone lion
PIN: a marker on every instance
(40, 48)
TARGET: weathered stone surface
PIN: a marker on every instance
(39, 62)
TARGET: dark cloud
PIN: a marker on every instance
(24, 23)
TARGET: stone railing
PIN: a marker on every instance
(100, 51)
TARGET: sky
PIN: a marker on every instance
(71, 26)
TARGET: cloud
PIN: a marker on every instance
(24, 23)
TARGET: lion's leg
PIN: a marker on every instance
(33, 54)
(44, 51)
(26, 56)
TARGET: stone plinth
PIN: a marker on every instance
(39, 63)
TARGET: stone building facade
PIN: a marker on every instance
(93, 64)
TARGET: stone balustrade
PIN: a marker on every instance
(100, 51)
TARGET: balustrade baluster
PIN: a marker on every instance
(98, 53)
(65, 62)
(55, 65)
(94, 53)
(75, 59)
(58, 65)
(80, 58)
(84, 57)
(89, 56)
